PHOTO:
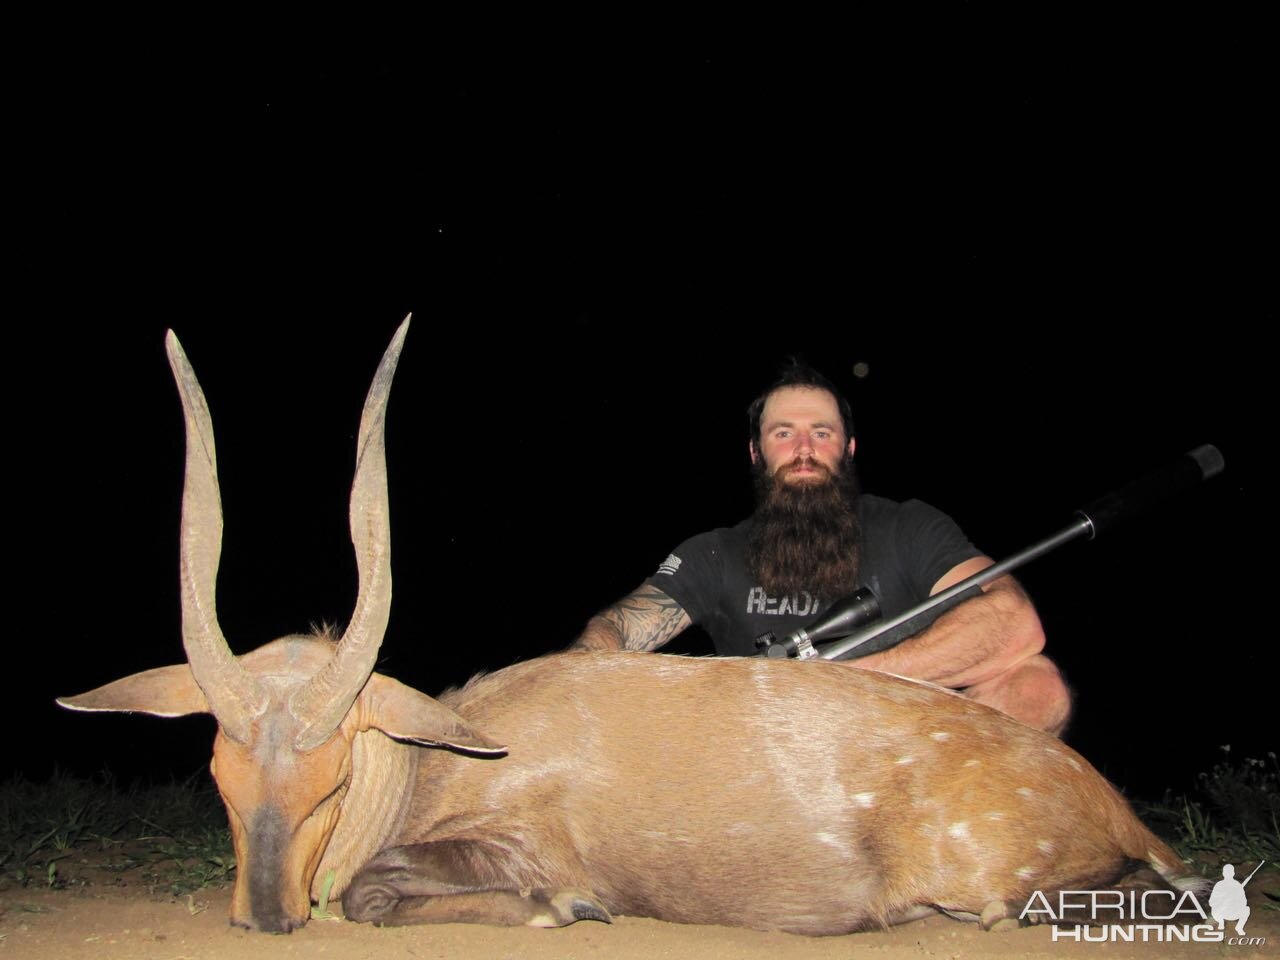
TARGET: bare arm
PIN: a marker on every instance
(978, 640)
(644, 619)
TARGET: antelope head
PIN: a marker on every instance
(290, 712)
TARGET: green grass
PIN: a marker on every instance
(71, 830)
(1232, 815)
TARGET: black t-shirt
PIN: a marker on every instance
(906, 548)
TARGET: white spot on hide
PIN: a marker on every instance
(940, 735)
(1026, 793)
(864, 799)
(958, 831)
(833, 841)
(995, 815)
(972, 763)
(1044, 846)
(1024, 873)
(1062, 755)
(902, 760)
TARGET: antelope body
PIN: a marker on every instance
(813, 797)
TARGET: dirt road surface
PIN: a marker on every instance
(115, 923)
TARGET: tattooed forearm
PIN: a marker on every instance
(645, 619)
(598, 635)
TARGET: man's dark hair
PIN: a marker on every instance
(797, 373)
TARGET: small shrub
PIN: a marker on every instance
(175, 833)
(1232, 815)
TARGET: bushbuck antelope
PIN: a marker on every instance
(813, 797)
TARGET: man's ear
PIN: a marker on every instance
(751, 449)
(852, 443)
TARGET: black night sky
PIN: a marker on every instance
(1057, 267)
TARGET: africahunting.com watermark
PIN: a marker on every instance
(1157, 916)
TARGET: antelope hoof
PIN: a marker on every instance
(369, 903)
(568, 906)
(996, 915)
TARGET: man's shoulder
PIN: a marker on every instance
(721, 536)
(708, 550)
(909, 522)
(693, 572)
(873, 509)
(870, 502)
(872, 506)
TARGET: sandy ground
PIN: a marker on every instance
(107, 922)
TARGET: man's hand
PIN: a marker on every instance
(644, 619)
(977, 640)
(989, 647)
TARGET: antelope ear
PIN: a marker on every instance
(162, 692)
(403, 713)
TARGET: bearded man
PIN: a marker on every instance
(813, 540)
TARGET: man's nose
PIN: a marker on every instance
(803, 447)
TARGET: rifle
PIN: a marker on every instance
(855, 618)
(1250, 876)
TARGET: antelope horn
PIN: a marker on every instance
(322, 704)
(233, 694)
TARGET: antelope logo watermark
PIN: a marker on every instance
(1160, 916)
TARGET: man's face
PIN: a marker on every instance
(801, 436)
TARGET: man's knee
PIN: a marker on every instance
(1033, 691)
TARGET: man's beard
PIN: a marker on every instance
(805, 535)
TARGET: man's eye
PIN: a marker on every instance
(782, 434)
